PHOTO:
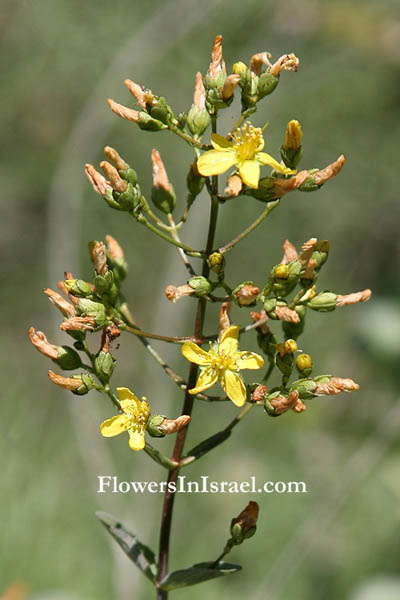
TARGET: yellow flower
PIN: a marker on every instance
(222, 363)
(243, 152)
(134, 419)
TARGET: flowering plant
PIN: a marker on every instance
(284, 300)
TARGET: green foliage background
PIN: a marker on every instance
(59, 62)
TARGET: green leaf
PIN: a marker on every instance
(139, 553)
(197, 574)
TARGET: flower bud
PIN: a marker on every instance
(162, 193)
(281, 271)
(118, 184)
(174, 293)
(78, 288)
(321, 177)
(229, 86)
(104, 283)
(159, 425)
(288, 347)
(291, 149)
(97, 251)
(200, 285)
(99, 183)
(334, 385)
(323, 302)
(287, 62)
(216, 262)
(104, 366)
(354, 298)
(116, 258)
(267, 83)
(304, 364)
(265, 190)
(244, 525)
(293, 329)
(259, 393)
(217, 64)
(305, 388)
(161, 113)
(239, 68)
(94, 310)
(77, 384)
(284, 313)
(285, 278)
(78, 324)
(276, 404)
(118, 162)
(194, 181)
(289, 252)
(66, 308)
(246, 294)
(137, 92)
(198, 118)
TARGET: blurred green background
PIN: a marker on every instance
(60, 60)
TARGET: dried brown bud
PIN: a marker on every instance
(330, 171)
(306, 251)
(160, 178)
(335, 385)
(229, 86)
(65, 307)
(199, 96)
(99, 257)
(118, 184)
(284, 313)
(217, 63)
(67, 383)
(284, 186)
(282, 404)
(176, 293)
(136, 91)
(174, 425)
(259, 393)
(114, 249)
(115, 158)
(248, 517)
(40, 342)
(78, 324)
(224, 320)
(99, 183)
(257, 62)
(287, 62)
(289, 252)
(234, 186)
(247, 294)
(108, 335)
(129, 114)
(363, 296)
(309, 271)
(255, 317)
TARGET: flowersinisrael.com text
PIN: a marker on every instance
(111, 484)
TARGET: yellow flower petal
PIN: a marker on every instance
(249, 172)
(267, 159)
(234, 387)
(220, 143)
(206, 379)
(248, 360)
(215, 162)
(136, 440)
(115, 425)
(125, 393)
(129, 405)
(229, 341)
(195, 354)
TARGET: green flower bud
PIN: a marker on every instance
(285, 364)
(88, 308)
(282, 286)
(148, 123)
(266, 84)
(78, 288)
(161, 111)
(194, 181)
(104, 366)
(200, 285)
(305, 388)
(323, 302)
(293, 330)
(236, 533)
(268, 407)
(129, 175)
(198, 120)
(309, 185)
(181, 120)
(164, 199)
(104, 282)
(292, 157)
(86, 386)
(304, 364)
(153, 426)
(265, 190)
(216, 262)
(67, 358)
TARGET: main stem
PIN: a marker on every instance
(169, 497)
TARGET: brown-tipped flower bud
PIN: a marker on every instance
(199, 96)
(304, 364)
(306, 251)
(259, 393)
(289, 252)
(309, 272)
(229, 86)
(198, 118)
(99, 183)
(217, 64)
(159, 425)
(78, 324)
(162, 193)
(322, 302)
(65, 307)
(78, 384)
(111, 172)
(114, 249)
(137, 92)
(354, 298)
(330, 171)
(234, 186)
(244, 525)
(335, 385)
(129, 114)
(115, 158)
(40, 342)
(255, 317)
(246, 293)
(287, 62)
(284, 313)
(97, 251)
(258, 61)
(284, 186)
(78, 287)
(277, 405)
(174, 293)
(223, 319)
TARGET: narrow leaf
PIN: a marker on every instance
(161, 459)
(206, 446)
(139, 553)
(197, 574)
